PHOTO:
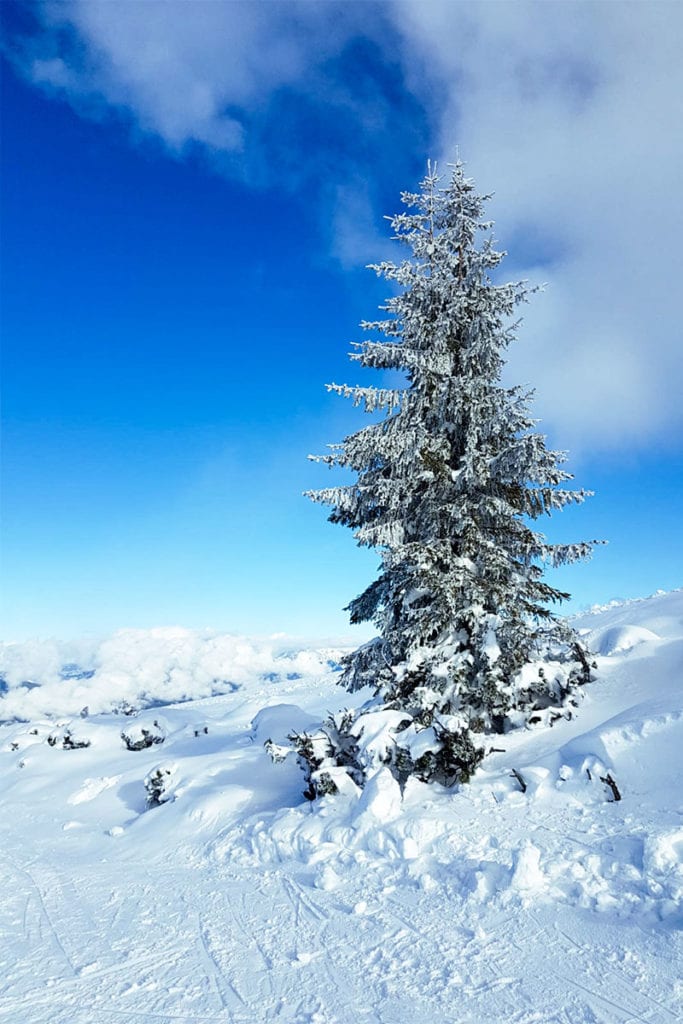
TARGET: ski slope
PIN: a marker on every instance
(235, 900)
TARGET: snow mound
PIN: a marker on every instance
(619, 639)
(276, 722)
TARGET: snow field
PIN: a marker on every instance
(526, 897)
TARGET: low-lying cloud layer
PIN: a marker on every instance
(569, 111)
(139, 668)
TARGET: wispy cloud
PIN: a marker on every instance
(569, 111)
(187, 72)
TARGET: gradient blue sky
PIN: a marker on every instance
(190, 193)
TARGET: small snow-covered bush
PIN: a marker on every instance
(329, 757)
(159, 785)
(139, 737)
(68, 739)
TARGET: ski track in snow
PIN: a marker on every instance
(270, 950)
(236, 902)
(279, 953)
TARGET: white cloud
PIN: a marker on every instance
(188, 71)
(145, 667)
(571, 112)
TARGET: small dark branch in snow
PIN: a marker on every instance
(495, 750)
(516, 775)
(277, 751)
(609, 781)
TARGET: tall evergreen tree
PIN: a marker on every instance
(447, 484)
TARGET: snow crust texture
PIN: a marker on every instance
(186, 879)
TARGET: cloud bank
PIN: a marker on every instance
(138, 668)
(569, 111)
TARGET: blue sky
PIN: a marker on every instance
(190, 193)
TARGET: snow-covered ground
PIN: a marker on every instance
(235, 900)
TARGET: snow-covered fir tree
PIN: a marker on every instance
(448, 482)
